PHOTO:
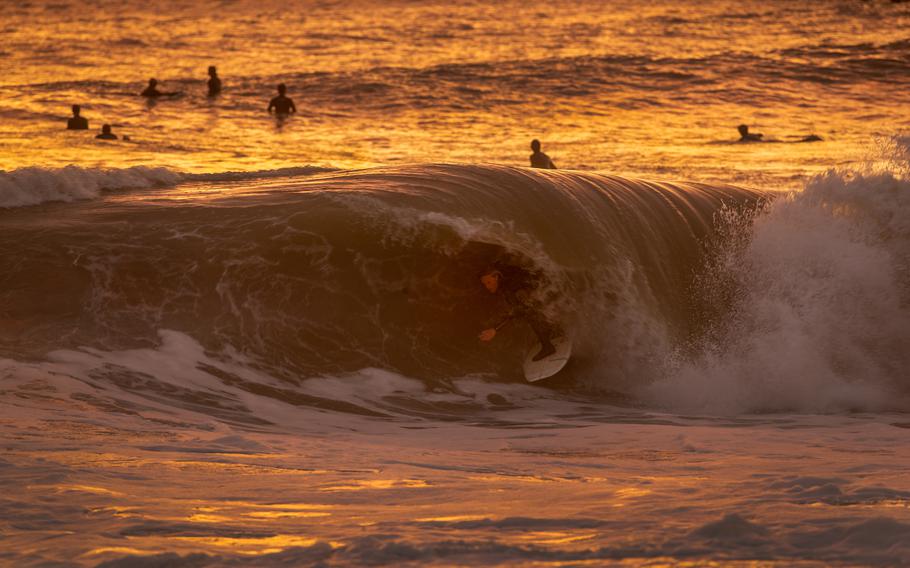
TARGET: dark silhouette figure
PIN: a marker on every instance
(77, 122)
(106, 133)
(539, 159)
(283, 105)
(811, 138)
(746, 136)
(214, 82)
(152, 91)
(516, 287)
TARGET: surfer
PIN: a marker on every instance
(77, 122)
(214, 82)
(282, 104)
(106, 133)
(516, 287)
(746, 136)
(152, 91)
(539, 159)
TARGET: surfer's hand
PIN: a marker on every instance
(487, 334)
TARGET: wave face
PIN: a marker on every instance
(371, 268)
(678, 295)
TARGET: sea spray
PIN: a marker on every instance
(819, 315)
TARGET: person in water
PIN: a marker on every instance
(214, 82)
(106, 133)
(539, 159)
(746, 136)
(282, 104)
(77, 122)
(516, 286)
(152, 91)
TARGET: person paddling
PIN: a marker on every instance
(152, 91)
(746, 136)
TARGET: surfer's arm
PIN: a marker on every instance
(490, 333)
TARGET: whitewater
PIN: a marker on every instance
(239, 341)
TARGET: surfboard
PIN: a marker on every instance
(548, 366)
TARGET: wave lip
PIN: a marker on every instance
(36, 185)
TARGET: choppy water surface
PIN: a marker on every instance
(231, 341)
(638, 88)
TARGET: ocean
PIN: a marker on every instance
(232, 339)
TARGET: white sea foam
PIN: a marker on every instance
(821, 319)
(36, 185)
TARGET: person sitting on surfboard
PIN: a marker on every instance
(516, 286)
(539, 159)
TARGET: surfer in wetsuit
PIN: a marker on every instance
(106, 133)
(746, 136)
(77, 122)
(214, 82)
(282, 104)
(539, 159)
(152, 91)
(516, 286)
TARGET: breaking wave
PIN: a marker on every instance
(34, 185)
(681, 295)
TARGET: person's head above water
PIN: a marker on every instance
(76, 110)
(535, 145)
(106, 129)
(153, 82)
(743, 130)
(282, 89)
(490, 280)
(212, 71)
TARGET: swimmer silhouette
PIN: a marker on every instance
(106, 133)
(539, 159)
(811, 138)
(214, 82)
(77, 122)
(283, 105)
(152, 91)
(746, 136)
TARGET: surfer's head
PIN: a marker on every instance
(153, 82)
(743, 130)
(282, 89)
(212, 71)
(535, 145)
(76, 110)
(490, 280)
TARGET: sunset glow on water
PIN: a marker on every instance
(229, 338)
